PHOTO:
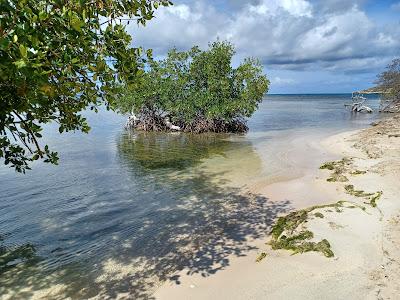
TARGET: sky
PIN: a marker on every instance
(305, 46)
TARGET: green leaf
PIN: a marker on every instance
(20, 63)
(42, 15)
(23, 51)
(76, 23)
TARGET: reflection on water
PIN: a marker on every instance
(158, 206)
(199, 229)
(176, 151)
(124, 211)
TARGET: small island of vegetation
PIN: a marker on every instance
(196, 91)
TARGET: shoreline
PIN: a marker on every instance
(366, 261)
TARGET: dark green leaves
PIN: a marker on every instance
(197, 87)
(58, 58)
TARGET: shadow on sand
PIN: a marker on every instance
(212, 224)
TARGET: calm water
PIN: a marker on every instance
(123, 211)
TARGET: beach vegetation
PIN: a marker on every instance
(57, 59)
(196, 91)
(388, 82)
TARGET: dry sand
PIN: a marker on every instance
(366, 243)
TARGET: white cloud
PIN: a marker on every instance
(300, 8)
(282, 81)
(285, 34)
(181, 26)
(337, 36)
(297, 8)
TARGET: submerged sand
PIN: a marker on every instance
(366, 242)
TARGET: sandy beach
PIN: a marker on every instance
(364, 232)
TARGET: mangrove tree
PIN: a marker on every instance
(196, 91)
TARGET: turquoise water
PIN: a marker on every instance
(124, 211)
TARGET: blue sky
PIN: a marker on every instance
(306, 46)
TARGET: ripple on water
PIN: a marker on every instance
(122, 211)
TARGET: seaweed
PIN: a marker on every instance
(337, 178)
(374, 198)
(289, 223)
(291, 242)
(358, 172)
(357, 193)
(287, 233)
(322, 246)
(339, 167)
(328, 166)
(261, 256)
(300, 243)
(283, 236)
(319, 215)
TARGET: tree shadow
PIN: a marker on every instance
(198, 224)
(212, 224)
(12, 255)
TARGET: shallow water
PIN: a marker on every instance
(123, 211)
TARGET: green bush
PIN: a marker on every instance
(197, 90)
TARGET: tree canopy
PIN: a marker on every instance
(197, 91)
(389, 82)
(57, 58)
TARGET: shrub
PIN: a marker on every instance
(196, 90)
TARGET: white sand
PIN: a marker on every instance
(366, 243)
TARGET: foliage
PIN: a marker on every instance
(58, 58)
(198, 91)
(389, 81)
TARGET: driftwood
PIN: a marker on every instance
(359, 105)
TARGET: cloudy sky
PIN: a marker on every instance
(306, 46)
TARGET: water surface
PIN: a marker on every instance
(124, 210)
